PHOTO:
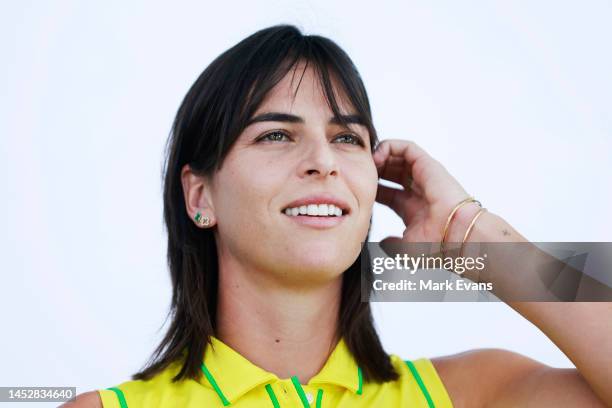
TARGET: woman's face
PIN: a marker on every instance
(276, 162)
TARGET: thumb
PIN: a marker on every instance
(391, 245)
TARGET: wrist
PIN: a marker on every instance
(460, 223)
(488, 228)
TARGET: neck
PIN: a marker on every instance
(285, 331)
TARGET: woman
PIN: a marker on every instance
(270, 179)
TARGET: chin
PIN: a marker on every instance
(324, 258)
(328, 264)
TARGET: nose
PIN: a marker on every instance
(318, 160)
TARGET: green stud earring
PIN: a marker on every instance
(203, 221)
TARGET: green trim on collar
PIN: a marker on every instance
(319, 397)
(300, 391)
(272, 396)
(360, 387)
(212, 382)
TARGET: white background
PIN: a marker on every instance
(514, 99)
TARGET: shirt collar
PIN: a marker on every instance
(231, 375)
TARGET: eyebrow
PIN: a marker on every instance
(287, 117)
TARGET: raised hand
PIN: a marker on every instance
(429, 195)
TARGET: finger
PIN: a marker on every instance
(400, 175)
(405, 149)
(397, 174)
(391, 160)
(392, 198)
(389, 245)
(417, 161)
(393, 246)
(404, 203)
(395, 152)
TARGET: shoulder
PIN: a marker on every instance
(90, 399)
(474, 378)
(132, 391)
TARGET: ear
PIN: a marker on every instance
(197, 194)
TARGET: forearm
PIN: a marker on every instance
(581, 330)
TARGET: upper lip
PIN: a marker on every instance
(321, 198)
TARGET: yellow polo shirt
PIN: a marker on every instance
(229, 379)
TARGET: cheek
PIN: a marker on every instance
(364, 182)
(246, 192)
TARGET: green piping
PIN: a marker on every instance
(319, 397)
(360, 388)
(212, 382)
(419, 381)
(300, 391)
(272, 396)
(120, 397)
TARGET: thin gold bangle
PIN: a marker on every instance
(450, 217)
(469, 229)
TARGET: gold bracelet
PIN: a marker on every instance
(469, 229)
(470, 199)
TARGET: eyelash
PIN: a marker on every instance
(355, 137)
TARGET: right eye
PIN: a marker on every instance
(275, 135)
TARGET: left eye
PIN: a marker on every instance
(354, 139)
(275, 136)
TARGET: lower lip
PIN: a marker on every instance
(317, 222)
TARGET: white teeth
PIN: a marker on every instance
(324, 210)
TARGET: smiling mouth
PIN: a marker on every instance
(315, 210)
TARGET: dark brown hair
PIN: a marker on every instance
(212, 115)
